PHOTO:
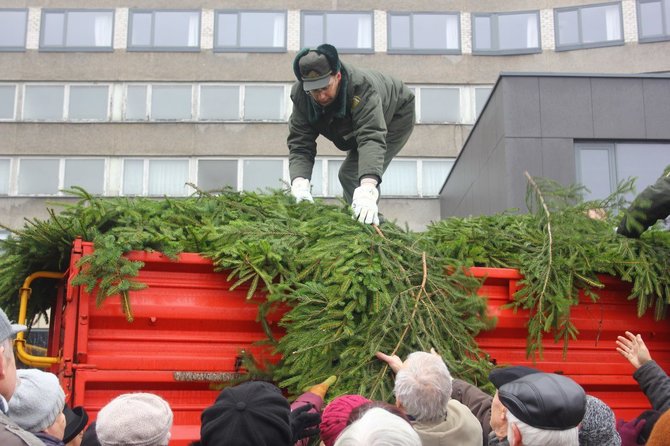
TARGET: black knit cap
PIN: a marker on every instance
(75, 422)
(254, 413)
(504, 375)
(545, 401)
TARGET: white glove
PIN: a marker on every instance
(364, 203)
(300, 190)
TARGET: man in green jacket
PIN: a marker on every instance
(365, 113)
(651, 205)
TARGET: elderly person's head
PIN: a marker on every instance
(379, 427)
(499, 377)
(37, 404)
(135, 419)
(423, 387)
(543, 409)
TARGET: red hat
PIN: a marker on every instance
(335, 416)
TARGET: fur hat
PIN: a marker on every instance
(661, 431)
(37, 400)
(598, 428)
(134, 419)
(313, 67)
(254, 413)
(336, 414)
(7, 329)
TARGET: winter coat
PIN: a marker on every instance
(357, 119)
(460, 427)
(49, 440)
(12, 435)
(655, 384)
(651, 205)
(479, 403)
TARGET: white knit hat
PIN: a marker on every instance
(135, 419)
(37, 400)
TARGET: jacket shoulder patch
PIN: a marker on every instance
(355, 101)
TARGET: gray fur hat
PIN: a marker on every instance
(37, 400)
(135, 419)
(598, 427)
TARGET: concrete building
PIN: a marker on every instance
(138, 98)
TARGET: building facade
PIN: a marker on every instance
(141, 98)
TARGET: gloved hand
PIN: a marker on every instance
(364, 203)
(629, 431)
(304, 423)
(300, 190)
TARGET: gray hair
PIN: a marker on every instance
(532, 436)
(379, 427)
(423, 387)
(7, 349)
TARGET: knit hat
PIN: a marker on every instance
(254, 413)
(37, 400)
(598, 428)
(7, 329)
(661, 431)
(545, 401)
(336, 414)
(134, 419)
(75, 422)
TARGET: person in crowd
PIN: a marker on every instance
(651, 205)
(254, 413)
(598, 428)
(478, 401)
(422, 388)
(660, 434)
(90, 437)
(37, 405)
(306, 411)
(135, 419)
(543, 409)
(75, 422)
(11, 434)
(335, 416)
(365, 113)
(379, 427)
(498, 417)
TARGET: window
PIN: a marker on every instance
(219, 102)
(259, 175)
(264, 103)
(588, 26)
(438, 105)
(87, 173)
(349, 32)
(43, 102)
(424, 33)
(85, 30)
(13, 26)
(38, 176)
(164, 30)
(215, 175)
(171, 102)
(506, 33)
(156, 177)
(601, 166)
(7, 101)
(4, 176)
(653, 19)
(136, 103)
(481, 96)
(250, 31)
(334, 186)
(89, 103)
(400, 178)
(433, 175)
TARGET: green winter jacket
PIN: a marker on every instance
(651, 205)
(356, 120)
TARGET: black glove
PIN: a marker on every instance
(304, 423)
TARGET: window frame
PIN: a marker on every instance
(15, 174)
(64, 47)
(412, 50)
(666, 24)
(17, 49)
(341, 50)
(152, 47)
(495, 37)
(463, 97)
(580, 46)
(240, 49)
(68, 92)
(16, 101)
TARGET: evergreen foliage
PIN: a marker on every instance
(354, 289)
